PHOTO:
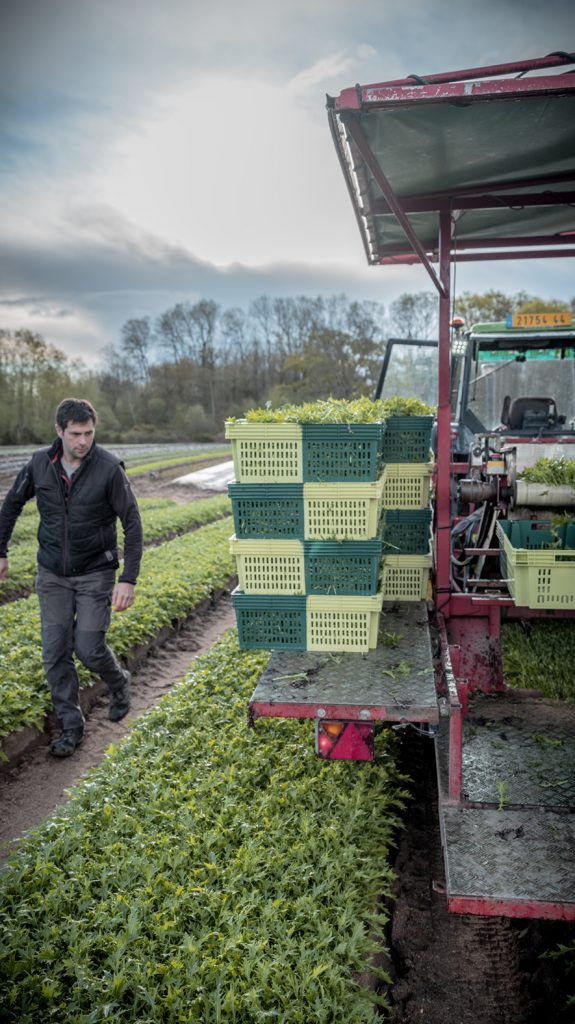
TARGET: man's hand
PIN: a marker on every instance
(123, 596)
(3, 568)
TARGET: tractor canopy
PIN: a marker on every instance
(486, 145)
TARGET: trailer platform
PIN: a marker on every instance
(395, 682)
(509, 844)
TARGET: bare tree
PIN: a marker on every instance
(137, 343)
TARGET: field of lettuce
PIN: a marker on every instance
(203, 871)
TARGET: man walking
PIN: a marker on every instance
(81, 491)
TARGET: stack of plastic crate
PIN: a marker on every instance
(307, 508)
(406, 516)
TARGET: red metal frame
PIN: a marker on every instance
(510, 908)
(339, 712)
(469, 624)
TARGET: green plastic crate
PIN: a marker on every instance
(270, 622)
(266, 452)
(406, 486)
(405, 577)
(346, 452)
(343, 623)
(342, 511)
(538, 574)
(346, 568)
(269, 566)
(405, 531)
(268, 510)
(407, 439)
(316, 623)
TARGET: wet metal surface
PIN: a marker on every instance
(395, 681)
(512, 839)
(509, 855)
(519, 751)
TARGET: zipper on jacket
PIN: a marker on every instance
(64, 497)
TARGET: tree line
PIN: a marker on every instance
(179, 376)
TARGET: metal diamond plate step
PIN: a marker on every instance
(509, 847)
(519, 863)
(395, 682)
(521, 750)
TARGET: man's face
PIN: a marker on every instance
(77, 439)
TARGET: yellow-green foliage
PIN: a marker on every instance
(340, 410)
(550, 471)
(540, 656)
(205, 873)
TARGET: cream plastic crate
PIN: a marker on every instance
(406, 485)
(342, 511)
(342, 623)
(269, 566)
(537, 577)
(265, 453)
(405, 577)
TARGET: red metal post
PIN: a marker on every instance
(443, 496)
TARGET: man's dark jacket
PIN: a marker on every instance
(77, 532)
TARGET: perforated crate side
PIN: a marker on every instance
(525, 535)
(267, 510)
(340, 512)
(270, 622)
(405, 531)
(405, 577)
(343, 624)
(345, 568)
(341, 452)
(406, 486)
(269, 566)
(266, 452)
(407, 439)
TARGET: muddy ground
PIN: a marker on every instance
(446, 969)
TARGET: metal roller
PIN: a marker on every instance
(543, 495)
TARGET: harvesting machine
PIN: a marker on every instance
(442, 169)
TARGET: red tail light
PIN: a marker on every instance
(344, 741)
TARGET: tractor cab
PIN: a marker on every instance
(513, 380)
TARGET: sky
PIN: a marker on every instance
(153, 153)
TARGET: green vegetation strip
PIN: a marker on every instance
(341, 410)
(175, 578)
(160, 519)
(184, 459)
(204, 873)
(540, 656)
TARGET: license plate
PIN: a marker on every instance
(562, 319)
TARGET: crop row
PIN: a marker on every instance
(172, 461)
(175, 577)
(539, 656)
(205, 872)
(159, 522)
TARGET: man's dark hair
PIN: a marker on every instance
(74, 410)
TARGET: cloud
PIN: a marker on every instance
(324, 69)
(160, 152)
